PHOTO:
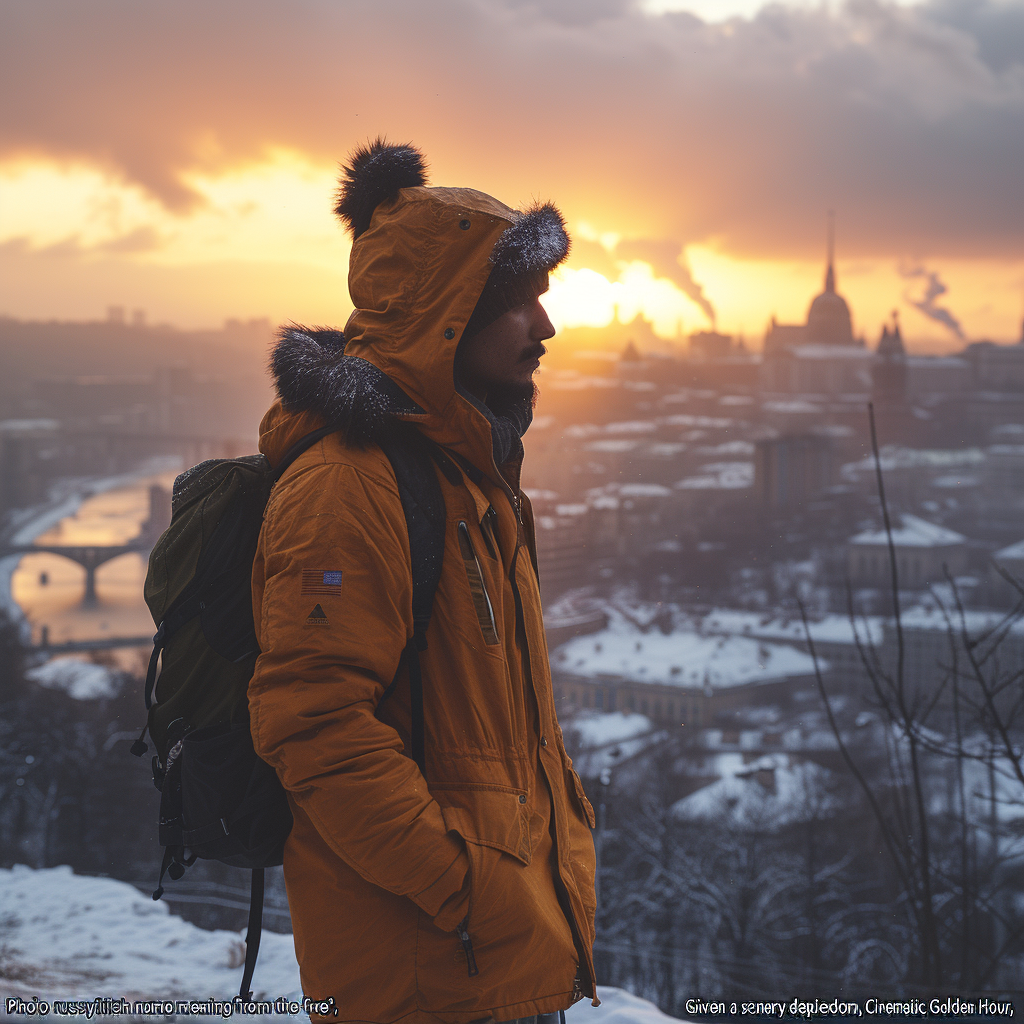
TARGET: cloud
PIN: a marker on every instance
(934, 289)
(650, 126)
(665, 258)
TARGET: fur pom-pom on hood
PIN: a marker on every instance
(373, 174)
(536, 242)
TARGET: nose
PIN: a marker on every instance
(541, 327)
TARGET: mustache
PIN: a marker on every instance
(534, 353)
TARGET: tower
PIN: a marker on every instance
(828, 319)
(889, 369)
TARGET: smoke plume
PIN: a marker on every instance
(934, 289)
(665, 258)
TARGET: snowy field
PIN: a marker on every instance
(72, 937)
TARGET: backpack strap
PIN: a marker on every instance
(300, 446)
(412, 456)
(252, 933)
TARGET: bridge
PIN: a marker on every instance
(82, 646)
(89, 556)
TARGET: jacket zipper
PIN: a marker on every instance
(585, 958)
(467, 944)
(477, 586)
(490, 534)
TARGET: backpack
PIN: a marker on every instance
(218, 799)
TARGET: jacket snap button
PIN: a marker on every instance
(522, 798)
(449, 333)
(464, 224)
(543, 741)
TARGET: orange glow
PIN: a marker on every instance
(263, 242)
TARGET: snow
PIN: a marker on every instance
(596, 729)
(894, 457)
(630, 427)
(834, 629)
(720, 476)
(75, 937)
(772, 791)
(913, 533)
(79, 679)
(67, 936)
(617, 1007)
(611, 447)
(955, 480)
(1015, 552)
(795, 406)
(728, 448)
(687, 420)
(644, 491)
(682, 658)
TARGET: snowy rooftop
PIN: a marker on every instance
(1015, 552)
(596, 729)
(683, 658)
(611, 446)
(721, 476)
(913, 533)
(834, 629)
(630, 427)
(728, 448)
(833, 353)
(893, 457)
(772, 791)
(686, 420)
(793, 406)
(644, 491)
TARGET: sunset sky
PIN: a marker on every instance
(181, 158)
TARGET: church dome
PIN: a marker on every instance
(828, 319)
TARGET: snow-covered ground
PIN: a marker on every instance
(79, 679)
(72, 937)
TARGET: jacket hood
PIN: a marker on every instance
(420, 259)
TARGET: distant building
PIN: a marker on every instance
(710, 345)
(631, 354)
(996, 367)
(889, 369)
(681, 677)
(28, 450)
(1011, 561)
(791, 470)
(822, 355)
(924, 551)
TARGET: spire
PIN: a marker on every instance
(830, 274)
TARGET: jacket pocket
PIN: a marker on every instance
(581, 799)
(477, 587)
(514, 945)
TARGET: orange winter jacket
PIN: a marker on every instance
(385, 863)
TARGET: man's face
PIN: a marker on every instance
(506, 352)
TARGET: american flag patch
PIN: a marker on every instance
(321, 582)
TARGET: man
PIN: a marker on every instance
(464, 892)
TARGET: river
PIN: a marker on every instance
(49, 589)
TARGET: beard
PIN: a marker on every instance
(502, 398)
